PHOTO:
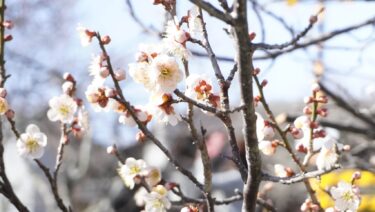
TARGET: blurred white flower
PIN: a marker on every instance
(175, 39)
(165, 74)
(161, 108)
(153, 176)
(97, 71)
(85, 35)
(282, 171)
(131, 169)
(327, 157)
(264, 129)
(195, 23)
(302, 122)
(4, 107)
(346, 198)
(156, 200)
(128, 120)
(31, 143)
(62, 108)
(267, 147)
(140, 72)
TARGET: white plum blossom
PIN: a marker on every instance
(62, 108)
(199, 87)
(85, 35)
(140, 73)
(162, 110)
(153, 176)
(267, 147)
(195, 23)
(97, 70)
(131, 169)
(165, 74)
(31, 143)
(156, 200)
(4, 107)
(264, 129)
(327, 157)
(346, 198)
(282, 171)
(128, 120)
(175, 39)
(95, 94)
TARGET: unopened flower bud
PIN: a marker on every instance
(67, 87)
(10, 114)
(140, 137)
(308, 100)
(170, 185)
(256, 71)
(112, 150)
(264, 83)
(252, 36)
(110, 93)
(307, 110)
(3, 92)
(315, 87)
(120, 74)
(79, 102)
(106, 39)
(8, 24)
(68, 77)
(356, 175)
(104, 72)
(313, 19)
(8, 38)
(297, 133)
(346, 148)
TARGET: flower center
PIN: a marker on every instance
(347, 196)
(64, 110)
(157, 204)
(135, 170)
(31, 144)
(165, 72)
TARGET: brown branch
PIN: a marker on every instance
(294, 40)
(299, 177)
(212, 10)
(346, 106)
(195, 103)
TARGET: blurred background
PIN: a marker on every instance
(46, 44)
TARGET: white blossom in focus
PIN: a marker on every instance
(156, 200)
(31, 143)
(95, 94)
(175, 39)
(327, 157)
(161, 108)
(62, 108)
(346, 199)
(140, 72)
(131, 169)
(97, 71)
(165, 74)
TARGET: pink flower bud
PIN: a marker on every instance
(3, 92)
(297, 133)
(256, 71)
(313, 19)
(68, 77)
(307, 110)
(120, 74)
(264, 83)
(110, 93)
(104, 72)
(111, 150)
(8, 38)
(346, 148)
(252, 36)
(106, 39)
(10, 114)
(308, 100)
(356, 175)
(8, 24)
(315, 87)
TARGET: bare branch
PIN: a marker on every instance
(213, 11)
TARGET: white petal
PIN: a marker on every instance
(32, 129)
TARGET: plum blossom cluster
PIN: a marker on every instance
(134, 172)
(157, 68)
(68, 109)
